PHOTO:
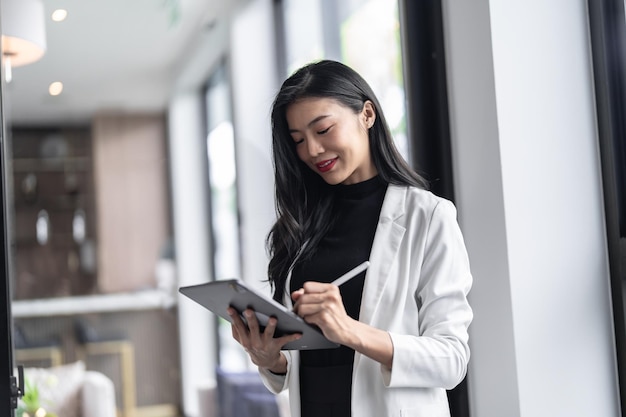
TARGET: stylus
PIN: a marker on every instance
(351, 274)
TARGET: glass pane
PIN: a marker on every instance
(224, 206)
(369, 36)
(304, 39)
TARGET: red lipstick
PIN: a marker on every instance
(326, 165)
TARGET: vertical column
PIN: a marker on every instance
(477, 168)
(530, 205)
(254, 75)
(190, 188)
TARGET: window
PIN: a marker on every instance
(364, 34)
(223, 196)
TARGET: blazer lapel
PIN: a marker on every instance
(389, 234)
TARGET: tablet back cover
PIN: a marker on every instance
(217, 296)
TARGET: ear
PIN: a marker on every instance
(368, 114)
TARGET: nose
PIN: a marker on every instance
(314, 147)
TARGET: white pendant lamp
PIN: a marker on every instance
(23, 33)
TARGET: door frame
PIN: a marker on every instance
(6, 318)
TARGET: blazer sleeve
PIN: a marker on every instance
(439, 354)
(276, 383)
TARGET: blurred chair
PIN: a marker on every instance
(31, 352)
(94, 344)
(242, 394)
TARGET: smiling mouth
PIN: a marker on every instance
(327, 165)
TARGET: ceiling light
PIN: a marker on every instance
(23, 33)
(55, 88)
(59, 15)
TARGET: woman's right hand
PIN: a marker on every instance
(263, 347)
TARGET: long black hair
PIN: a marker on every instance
(303, 199)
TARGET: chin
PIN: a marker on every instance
(331, 180)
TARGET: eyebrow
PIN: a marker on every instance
(312, 122)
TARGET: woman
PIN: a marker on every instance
(344, 195)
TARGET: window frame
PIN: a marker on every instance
(422, 28)
(607, 25)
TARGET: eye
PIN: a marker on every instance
(321, 132)
(298, 141)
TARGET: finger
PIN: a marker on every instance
(283, 340)
(303, 304)
(295, 297)
(253, 323)
(233, 330)
(297, 294)
(326, 305)
(239, 328)
(270, 329)
(308, 310)
(236, 319)
(314, 298)
(296, 306)
(316, 287)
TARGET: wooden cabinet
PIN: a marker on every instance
(102, 189)
(52, 179)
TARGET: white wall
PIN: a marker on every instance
(190, 190)
(254, 83)
(530, 204)
(480, 200)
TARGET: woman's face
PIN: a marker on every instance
(333, 140)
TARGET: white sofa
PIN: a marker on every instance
(72, 391)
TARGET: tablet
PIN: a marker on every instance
(217, 296)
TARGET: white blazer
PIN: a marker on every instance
(416, 289)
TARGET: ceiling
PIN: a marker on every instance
(114, 55)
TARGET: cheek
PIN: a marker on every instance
(301, 152)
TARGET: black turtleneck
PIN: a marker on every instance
(346, 245)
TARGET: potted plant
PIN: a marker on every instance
(29, 405)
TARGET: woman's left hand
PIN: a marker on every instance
(321, 304)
